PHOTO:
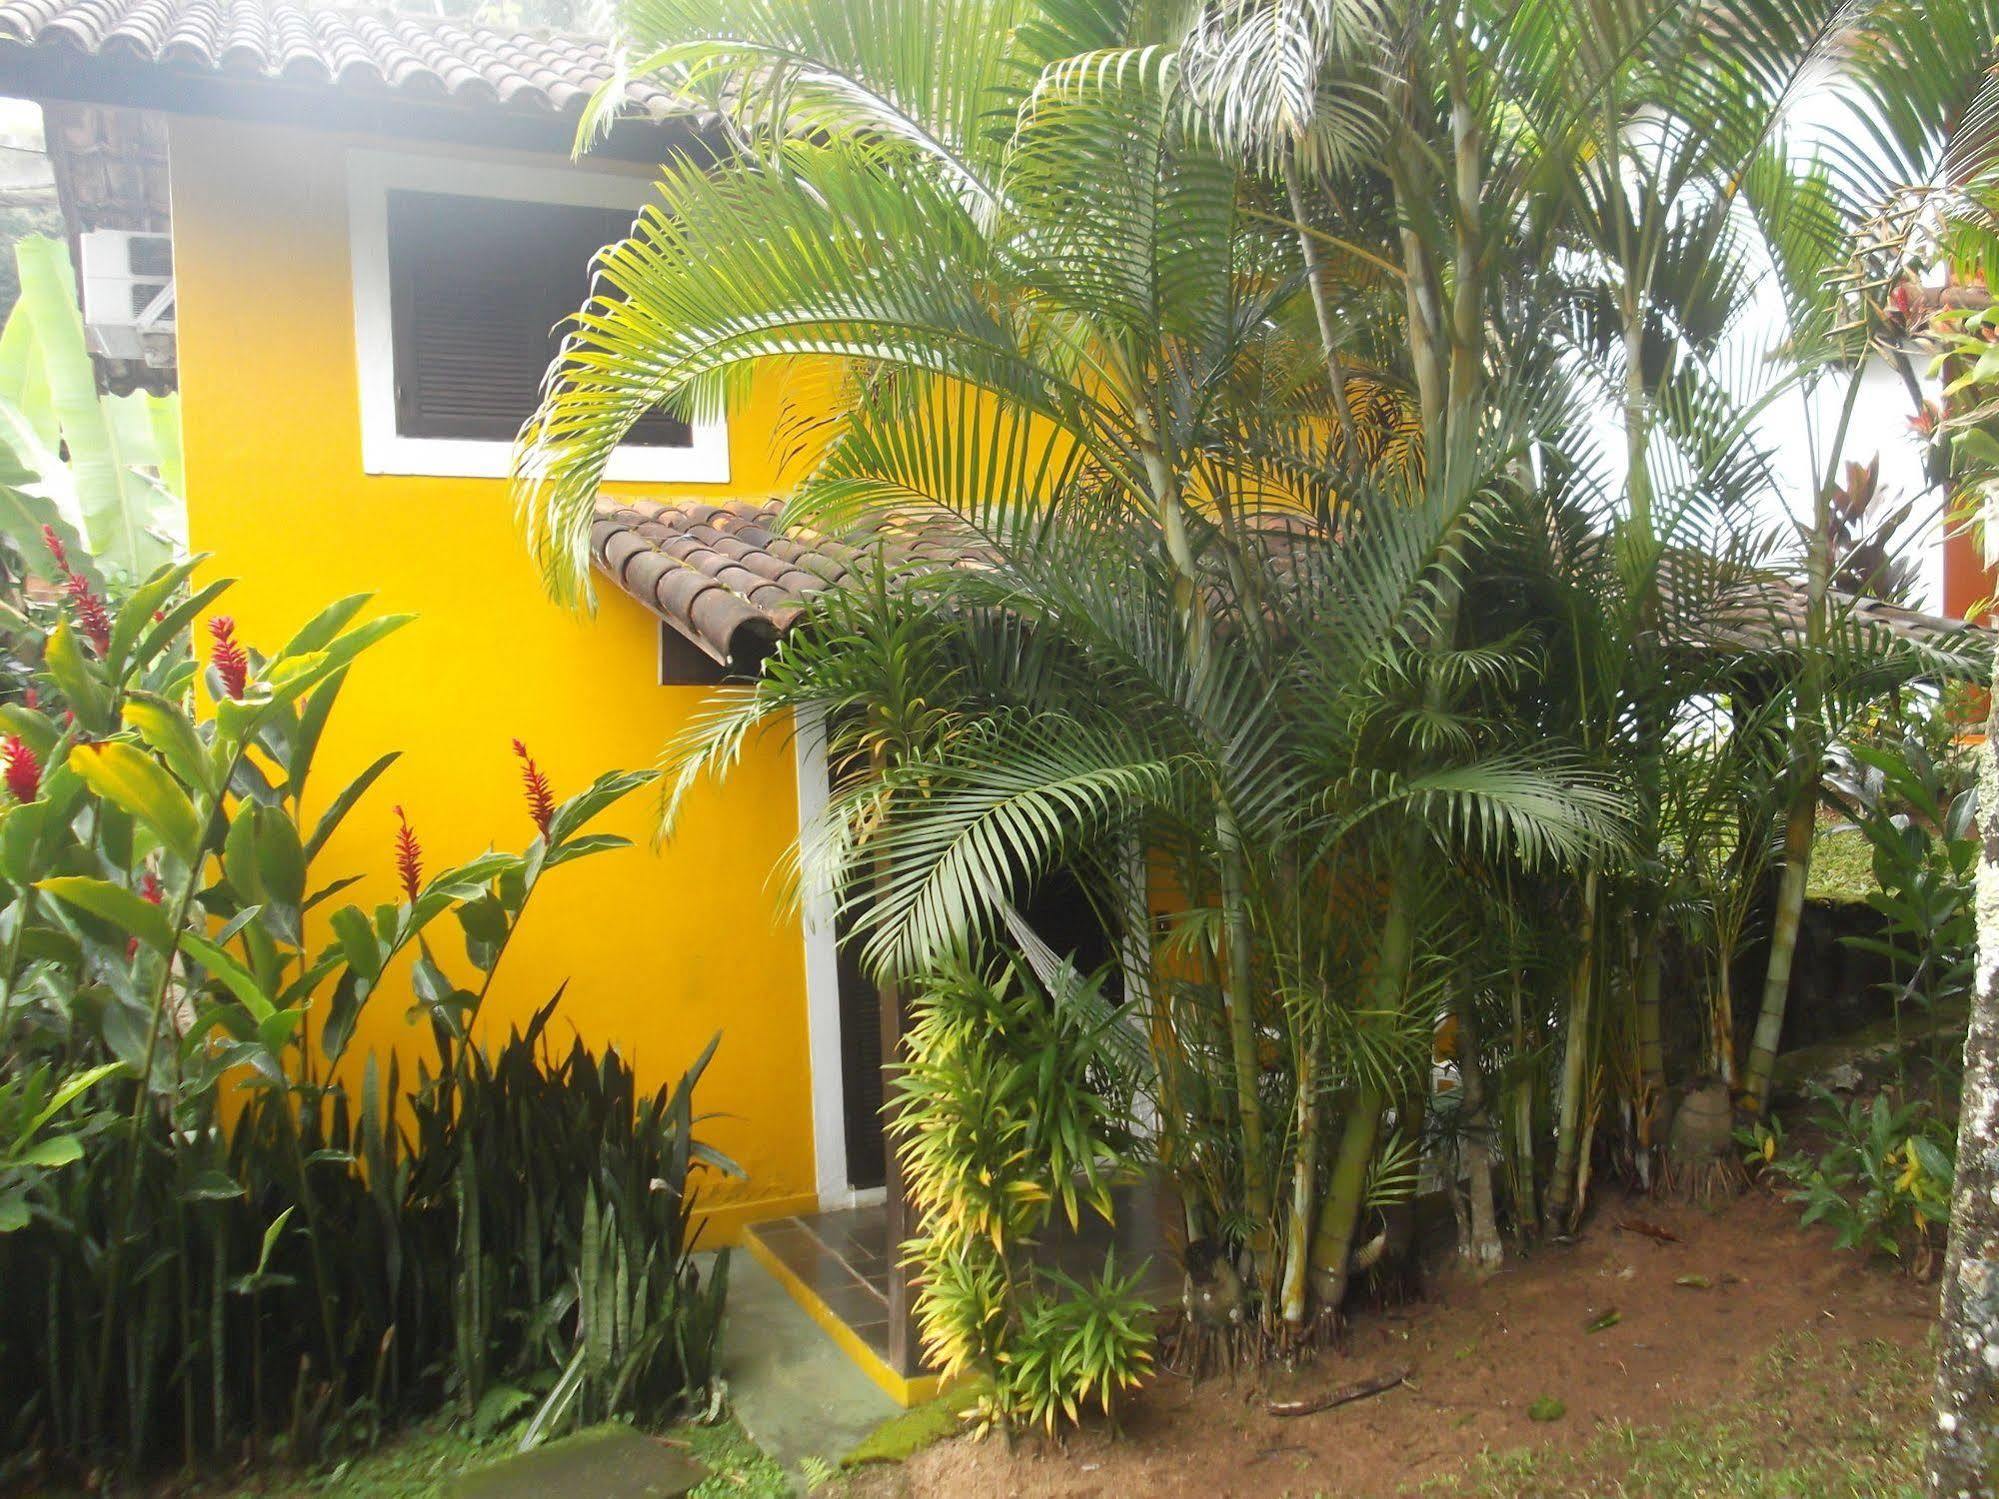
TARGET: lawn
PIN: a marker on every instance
(421, 1464)
(1820, 1417)
(1842, 867)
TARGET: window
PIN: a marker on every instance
(463, 271)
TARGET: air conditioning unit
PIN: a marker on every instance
(128, 295)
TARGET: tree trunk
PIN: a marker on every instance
(1964, 1442)
(1339, 1215)
(1304, 1171)
(1651, 1046)
(1482, 1247)
(1564, 1198)
(1239, 1000)
(1798, 829)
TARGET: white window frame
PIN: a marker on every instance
(371, 175)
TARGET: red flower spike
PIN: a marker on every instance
(152, 894)
(534, 785)
(229, 660)
(91, 617)
(24, 771)
(409, 856)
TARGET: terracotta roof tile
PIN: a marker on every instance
(724, 577)
(427, 57)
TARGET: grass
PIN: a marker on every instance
(1832, 1420)
(421, 1463)
(1842, 867)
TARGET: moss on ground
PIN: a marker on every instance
(907, 1433)
(1833, 1420)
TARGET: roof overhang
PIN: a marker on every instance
(45, 71)
(733, 580)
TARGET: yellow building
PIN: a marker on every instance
(375, 222)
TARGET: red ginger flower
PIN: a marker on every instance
(409, 856)
(91, 616)
(24, 771)
(229, 660)
(152, 894)
(534, 785)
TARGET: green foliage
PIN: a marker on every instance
(1915, 804)
(105, 469)
(33, 1142)
(210, 1234)
(1261, 356)
(1001, 1129)
(1881, 1180)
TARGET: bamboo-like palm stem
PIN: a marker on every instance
(1806, 761)
(1315, 281)
(1564, 1198)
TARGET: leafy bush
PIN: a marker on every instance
(1882, 1181)
(1917, 810)
(1001, 1125)
(206, 1230)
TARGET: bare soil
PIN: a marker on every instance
(1482, 1355)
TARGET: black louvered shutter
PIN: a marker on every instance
(477, 289)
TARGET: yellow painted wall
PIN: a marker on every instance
(660, 950)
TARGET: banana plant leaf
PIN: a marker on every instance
(118, 485)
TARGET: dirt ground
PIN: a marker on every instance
(1481, 1354)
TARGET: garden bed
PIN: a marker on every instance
(1792, 1363)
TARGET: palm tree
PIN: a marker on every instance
(1254, 360)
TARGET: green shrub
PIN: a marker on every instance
(1001, 1126)
(204, 1234)
(1882, 1182)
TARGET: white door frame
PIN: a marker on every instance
(822, 983)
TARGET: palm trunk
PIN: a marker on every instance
(1722, 1020)
(1339, 1212)
(1482, 1247)
(1651, 1037)
(1799, 826)
(1964, 1441)
(1806, 760)
(1336, 379)
(1339, 1215)
(1304, 1169)
(1564, 1197)
(1239, 1002)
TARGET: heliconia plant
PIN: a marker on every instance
(207, 1229)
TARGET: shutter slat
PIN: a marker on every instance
(479, 289)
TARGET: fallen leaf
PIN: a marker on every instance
(1650, 1230)
(1608, 1319)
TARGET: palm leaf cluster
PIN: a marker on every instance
(1357, 410)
